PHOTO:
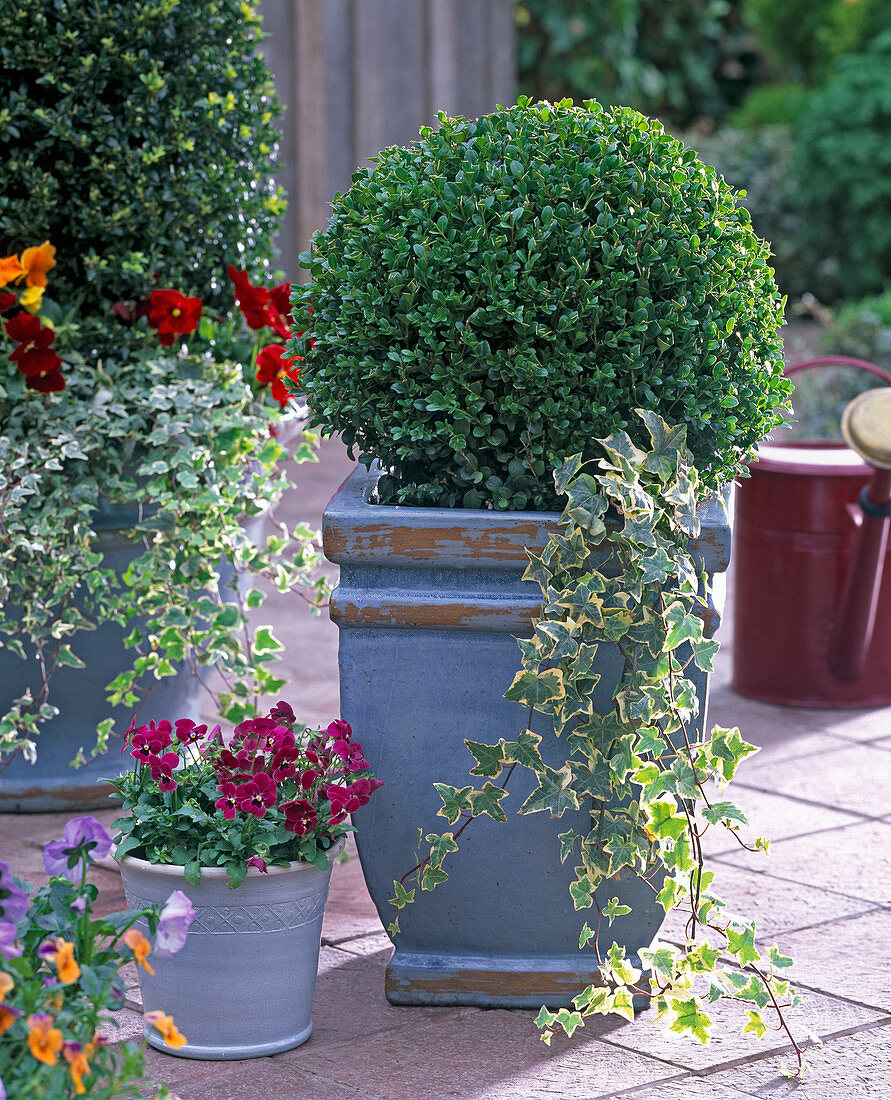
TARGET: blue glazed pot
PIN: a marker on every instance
(51, 784)
(429, 604)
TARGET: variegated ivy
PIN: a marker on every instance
(653, 783)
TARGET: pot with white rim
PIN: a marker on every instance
(242, 986)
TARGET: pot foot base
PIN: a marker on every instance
(489, 983)
(223, 1053)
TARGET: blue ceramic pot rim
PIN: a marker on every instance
(221, 873)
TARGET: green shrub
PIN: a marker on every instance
(863, 330)
(758, 162)
(676, 61)
(137, 137)
(802, 37)
(842, 170)
(505, 291)
(770, 105)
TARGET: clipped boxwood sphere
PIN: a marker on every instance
(506, 291)
(137, 137)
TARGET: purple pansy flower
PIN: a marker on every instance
(13, 900)
(176, 916)
(260, 863)
(48, 950)
(8, 946)
(84, 836)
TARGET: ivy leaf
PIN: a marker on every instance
(402, 897)
(487, 801)
(393, 928)
(566, 471)
(585, 504)
(682, 625)
(567, 844)
(613, 909)
(722, 812)
(553, 793)
(781, 962)
(659, 959)
(537, 571)
(726, 750)
(742, 944)
(663, 820)
(560, 642)
(619, 447)
(580, 891)
(689, 1017)
(489, 759)
(537, 689)
(569, 1021)
(431, 877)
(586, 935)
(755, 1023)
(524, 751)
(669, 444)
(620, 968)
(704, 652)
(454, 802)
(621, 1003)
(545, 1017)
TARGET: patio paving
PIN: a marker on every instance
(820, 787)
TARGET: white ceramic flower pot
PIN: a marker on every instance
(242, 985)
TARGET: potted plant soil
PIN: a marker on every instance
(484, 305)
(248, 831)
(141, 379)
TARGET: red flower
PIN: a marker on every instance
(173, 314)
(188, 731)
(339, 728)
(227, 801)
(272, 366)
(161, 768)
(300, 816)
(257, 795)
(50, 381)
(7, 301)
(33, 356)
(262, 308)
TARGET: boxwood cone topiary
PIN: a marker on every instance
(506, 291)
(137, 137)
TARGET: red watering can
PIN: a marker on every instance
(812, 625)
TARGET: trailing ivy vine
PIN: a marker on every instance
(653, 782)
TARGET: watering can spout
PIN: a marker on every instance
(866, 425)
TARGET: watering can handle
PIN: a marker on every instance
(838, 361)
(866, 425)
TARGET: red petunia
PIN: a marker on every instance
(273, 366)
(173, 314)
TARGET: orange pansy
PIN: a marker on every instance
(140, 947)
(10, 270)
(65, 962)
(8, 1017)
(6, 984)
(78, 1063)
(44, 1040)
(169, 1032)
(37, 261)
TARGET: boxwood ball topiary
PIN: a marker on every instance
(506, 291)
(137, 137)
